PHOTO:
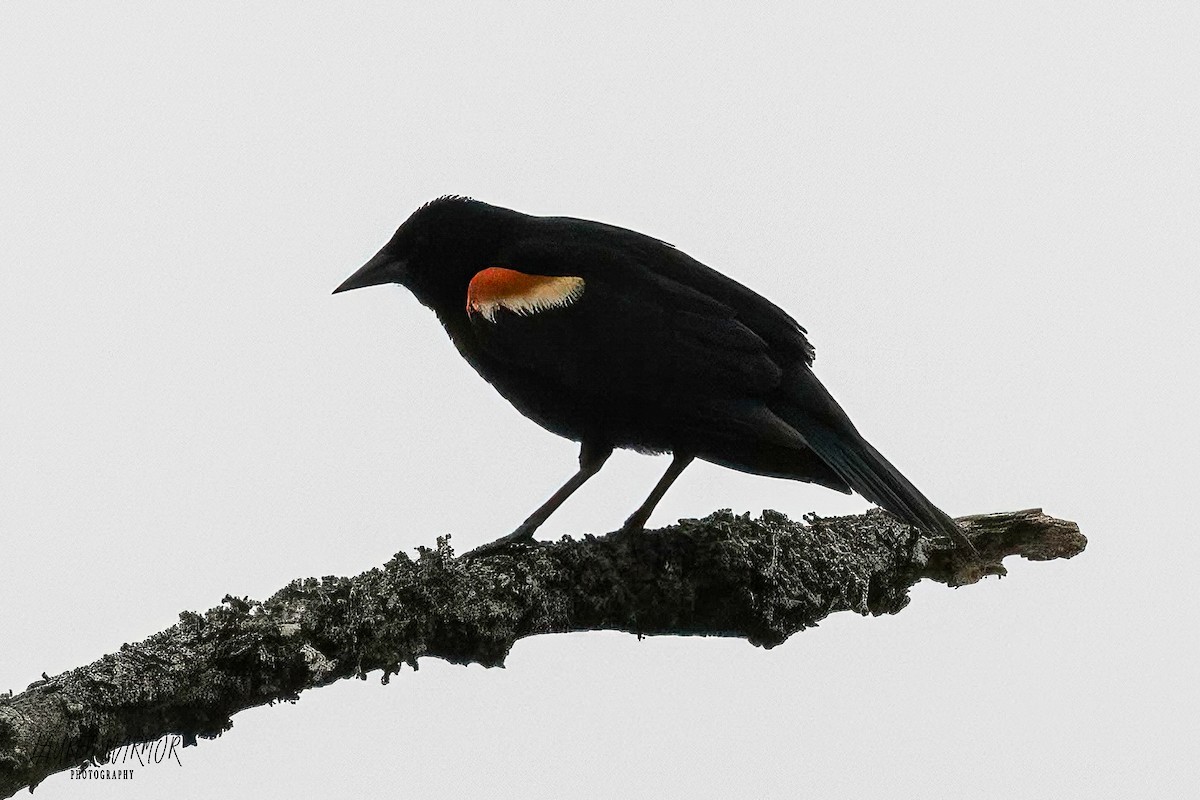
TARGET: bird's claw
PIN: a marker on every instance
(523, 533)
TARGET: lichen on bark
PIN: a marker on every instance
(726, 575)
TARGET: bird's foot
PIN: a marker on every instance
(635, 524)
(523, 533)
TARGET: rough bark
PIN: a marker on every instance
(725, 575)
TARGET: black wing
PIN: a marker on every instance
(638, 346)
(556, 242)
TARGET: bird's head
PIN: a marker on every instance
(437, 250)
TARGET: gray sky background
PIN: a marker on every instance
(985, 214)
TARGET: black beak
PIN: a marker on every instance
(380, 269)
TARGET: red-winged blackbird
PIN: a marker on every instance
(616, 339)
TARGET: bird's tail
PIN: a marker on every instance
(834, 438)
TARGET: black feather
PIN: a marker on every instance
(656, 353)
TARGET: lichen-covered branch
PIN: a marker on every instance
(725, 575)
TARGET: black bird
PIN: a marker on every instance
(615, 339)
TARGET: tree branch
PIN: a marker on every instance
(725, 575)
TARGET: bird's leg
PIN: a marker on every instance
(637, 520)
(591, 458)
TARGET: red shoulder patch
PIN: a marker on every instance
(497, 287)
